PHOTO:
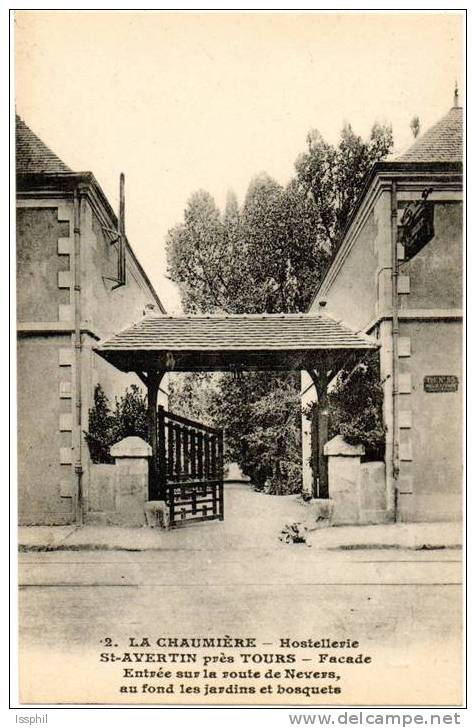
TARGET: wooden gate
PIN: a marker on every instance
(190, 468)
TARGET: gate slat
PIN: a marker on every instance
(178, 452)
(193, 454)
(186, 452)
(170, 451)
(200, 455)
(206, 456)
(190, 467)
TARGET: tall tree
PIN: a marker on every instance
(268, 256)
(264, 233)
(333, 176)
(306, 257)
(231, 213)
(196, 249)
(234, 262)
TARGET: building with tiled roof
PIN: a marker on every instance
(393, 290)
(236, 332)
(224, 342)
(398, 276)
(443, 142)
(32, 155)
(75, 284)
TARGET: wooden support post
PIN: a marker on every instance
(315, 452)
(323, 430)
(162, 460)
(153, 382)
(323, 426)
(319, 378)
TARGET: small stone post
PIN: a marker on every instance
(131, 456)
(344, 480)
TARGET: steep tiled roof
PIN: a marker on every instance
(443, 142)
(272, 332)
(32, 155)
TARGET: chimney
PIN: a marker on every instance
(456, 97)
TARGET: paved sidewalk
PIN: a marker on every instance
(413, 536)
(394, 535)
(252, 521)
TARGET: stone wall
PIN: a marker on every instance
(435, 274)
(357, 288)
(357, 491)
(45, 382)
(431, 423)
(118, 492)
(47, 416)
(45, 474)
(40, 266)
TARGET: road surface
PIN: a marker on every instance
(402, 607)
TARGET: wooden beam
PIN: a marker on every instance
(320, 380)
(323, 430)
(224, 360)
(142, 376)
(161, 456)
(153, 383)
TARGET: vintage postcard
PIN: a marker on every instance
(240, 280)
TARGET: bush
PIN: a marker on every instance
(106, 427)
(355, 407)
(130, 415)
(261, 417)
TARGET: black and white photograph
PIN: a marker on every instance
(240, 279)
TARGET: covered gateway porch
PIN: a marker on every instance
(240, 343)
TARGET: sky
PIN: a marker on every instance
(184, 101)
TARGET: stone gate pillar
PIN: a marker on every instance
(131, 456)
(344, 480)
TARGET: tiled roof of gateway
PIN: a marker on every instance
(32, 155)
(443, 142)
(237, 332)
